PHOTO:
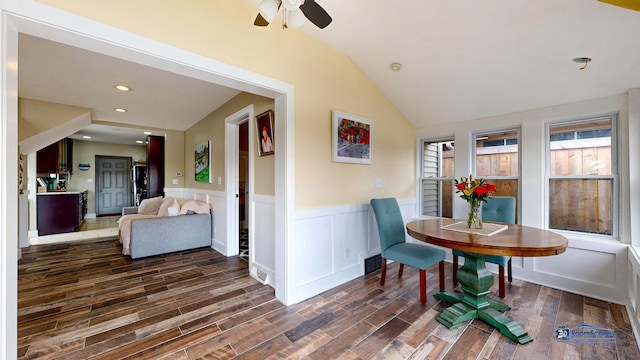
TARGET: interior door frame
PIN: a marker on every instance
(232, 189)
(33, 18)
(127, 177)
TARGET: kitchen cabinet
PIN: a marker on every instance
(60, 212)
(56, 158)
(155, 166)
(47, 160)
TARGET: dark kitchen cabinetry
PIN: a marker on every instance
(60, 212)
(155, 166)
(56, 158)
(47, 159)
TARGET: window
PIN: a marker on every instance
(497, 161)
(582, 175)
(436, 177)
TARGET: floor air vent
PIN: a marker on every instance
(372, 264)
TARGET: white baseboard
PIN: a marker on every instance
(90, 216)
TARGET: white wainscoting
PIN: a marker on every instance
(262, 236)
(633, 292)
(331, 245)
(263, 228)
(217, 201)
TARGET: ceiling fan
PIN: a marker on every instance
(294, 14)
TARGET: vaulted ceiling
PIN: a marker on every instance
(469, 59)
(461, 60)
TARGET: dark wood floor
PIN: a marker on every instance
(87, 301)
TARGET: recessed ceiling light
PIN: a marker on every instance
(147, 132)
(86, 137)
(139, 141)
(122, 88)
(395, 66)
(120, 110)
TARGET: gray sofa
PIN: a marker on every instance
(166, 234)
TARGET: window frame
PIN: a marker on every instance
(614, 177)
(474, 154)
(422, 178)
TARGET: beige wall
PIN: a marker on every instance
(324, 79)
(86, 151)
(212, 128)
(37, 116)
(174, 158)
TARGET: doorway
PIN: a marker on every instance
(113, 187)
(243, 186)
(35, 19)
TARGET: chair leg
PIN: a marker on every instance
(400, 271)
(423, 286)
(455, 271)
(383, 273)
(509, 270)
(501, 281)
(441, 274)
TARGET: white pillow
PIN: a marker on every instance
(150, 206)
(174, 209)
(166, 203)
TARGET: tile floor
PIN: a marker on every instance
(97, 228)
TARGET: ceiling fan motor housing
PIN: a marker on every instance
(292, 4)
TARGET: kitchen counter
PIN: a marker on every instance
(61, 213)
(55, 192)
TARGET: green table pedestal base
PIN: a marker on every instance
(476, 281)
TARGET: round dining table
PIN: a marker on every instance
(494, 239)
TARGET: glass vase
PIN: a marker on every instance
(474, 220)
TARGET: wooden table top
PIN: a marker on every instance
(516, 240)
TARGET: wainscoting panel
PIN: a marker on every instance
(331, 245)
(217, 201)
(592, 268)
(264, 241)
(633, 294)
(314, 259)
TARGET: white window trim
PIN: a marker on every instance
(615, 188)
(475, 151)
(421, 178)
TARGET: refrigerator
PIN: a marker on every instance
(139, 177)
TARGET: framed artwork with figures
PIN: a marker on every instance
(264, 131)
(352, 138)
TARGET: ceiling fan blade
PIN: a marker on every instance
(316, 14)
(260, 21)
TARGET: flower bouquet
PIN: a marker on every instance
(475, 191)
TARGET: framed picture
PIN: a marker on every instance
(352, 138)
(264, 131)
(203, 161)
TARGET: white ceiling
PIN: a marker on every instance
(462, 60)
(59, 73)
(469, 59)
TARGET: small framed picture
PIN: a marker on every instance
(264, 131)
(352, 138)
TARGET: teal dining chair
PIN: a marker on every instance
(394, 246)
(499, 209)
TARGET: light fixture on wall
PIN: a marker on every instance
(395, 66)
(120, 110)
